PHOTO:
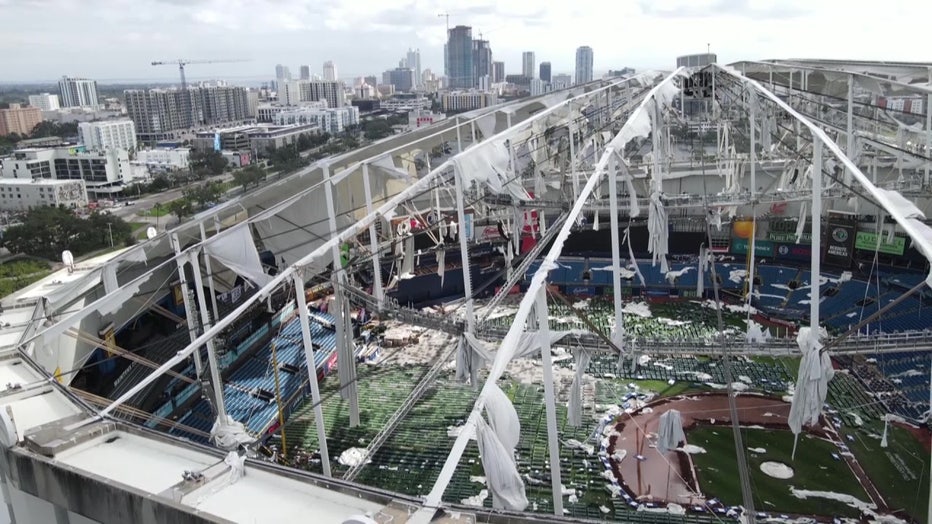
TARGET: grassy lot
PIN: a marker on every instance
(814, 469)
(17, 274)
(155, 212)
(139, 229)
(900, 472)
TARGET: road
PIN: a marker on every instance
(131, 212)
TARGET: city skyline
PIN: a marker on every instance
(266, 35)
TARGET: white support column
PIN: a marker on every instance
(377, 290)
(210, 274)
(572, 129)
(543, 330)
(215, 378)
(849, 143)
(464, 251)
(472, 130)
(346, 360)
(816, 268)
(928, 177)
(188, 308)
(459, 137)
(616, 246)
(303, 319)
(752, 98)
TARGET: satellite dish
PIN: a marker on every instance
(67, 259)
(359, 519)
(8, 434)
(151, 233)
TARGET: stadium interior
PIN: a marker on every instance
(647, 259)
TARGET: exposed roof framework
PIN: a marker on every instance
(607, 146)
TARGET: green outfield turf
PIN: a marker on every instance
(814, 469)
(900, 472)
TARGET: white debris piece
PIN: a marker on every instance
(759, 451)
(777, 470)
(640, 309)
(353, 457)
(691, 449)
(476, 500)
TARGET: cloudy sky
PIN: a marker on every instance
(117, 39)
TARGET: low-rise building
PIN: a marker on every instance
(22, 195)
(404, 102)
(467, 100)
(421, 118)
(329, 120)
(105, 173)
(162, 160)
(265, 113)
(561, 82)
(257, 138)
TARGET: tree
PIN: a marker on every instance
(248, 176)
(203, 194)
(181, 208)
(376, 129)
(47, 128)
(206, 162)
(46, 231)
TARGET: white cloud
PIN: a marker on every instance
(117, 39)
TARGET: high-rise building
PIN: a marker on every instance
(498, 72)
(305, 72)
(459, 57)
(400, 77)
(330, 71)
(109, 134)
(545, 71)
(482, 62)
(44, 101)
(19, 120)
(583, 64)
(372, 80)
(413, 61)
(159, 113)
(78, 92)
(527, 64)
(282, 73)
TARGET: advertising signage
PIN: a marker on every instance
(762, 248)
(784, 230)
(868, 242)
(792, 251)
(789, 238)
(839, 240)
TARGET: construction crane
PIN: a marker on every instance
(447, 16)
(182, 62)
